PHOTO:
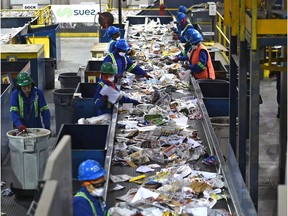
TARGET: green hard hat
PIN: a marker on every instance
(24, 79)
(108, 68)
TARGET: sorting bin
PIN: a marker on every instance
(12, 69)
(64, 111)
(69, 80)
(215, 96)
(220, 70)
(88, 142)
(15, 22)
(6, 120)
(92, 71)
(221, 130)
(49, 73)
(53, 33)
(104, 36)
(29, 153)
(84, 105)
(27, 52)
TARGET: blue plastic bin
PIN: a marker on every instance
(53, 32)
(84, 106)
(88, 142)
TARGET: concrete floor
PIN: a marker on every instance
(76, 52)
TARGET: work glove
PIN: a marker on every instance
(176, 59)
(132, 52)
(147, 76)
(175, 37)
(21, 128)
(104, 98)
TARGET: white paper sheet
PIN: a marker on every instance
(113, 94)
(144, 193)
(144, 169)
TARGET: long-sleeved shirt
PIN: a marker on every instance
(123, 64)
(112, 45)
(83, 203)
(104, 106)
(27, 111)
(203, 58)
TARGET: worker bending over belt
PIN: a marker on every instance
(108, 71)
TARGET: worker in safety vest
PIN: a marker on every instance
(200, 62)
(89, 200)
(183, 24)
(28, 105)
(114, 35)
(122, 62)
(108, 71)
(185, 54)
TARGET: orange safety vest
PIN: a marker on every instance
(208, 70)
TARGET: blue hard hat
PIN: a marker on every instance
(180, 17)
(112, 30)
(182, 9)
(122, 45)
(196, 37)
(188, 33)
(90, 170)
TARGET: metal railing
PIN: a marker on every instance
(43, 15)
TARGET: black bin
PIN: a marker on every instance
(69, 80)
(49, 73)
(92, 71)
(64, 111)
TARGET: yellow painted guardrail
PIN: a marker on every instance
(223, 31)
(42, 15)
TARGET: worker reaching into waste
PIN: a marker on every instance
(183, 24)
(103, 104)
(28, 105)
(200, 62)
(185, 54)
(89, 201)
(122, 62)
(114, 35)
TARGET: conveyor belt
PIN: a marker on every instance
(118, 170)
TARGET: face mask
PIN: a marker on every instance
(98, 192)
(111, 79)
(118, 38)
(122, 54)
(193, 47)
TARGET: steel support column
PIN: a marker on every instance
(232, 93)
(242, 108)
(254, 126)
(283, 126)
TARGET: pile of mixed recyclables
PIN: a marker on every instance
(158, 142)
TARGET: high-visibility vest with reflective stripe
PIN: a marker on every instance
(21, 106)
(115, 63)
(182, 32)
(81, 194)
(208, 70)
